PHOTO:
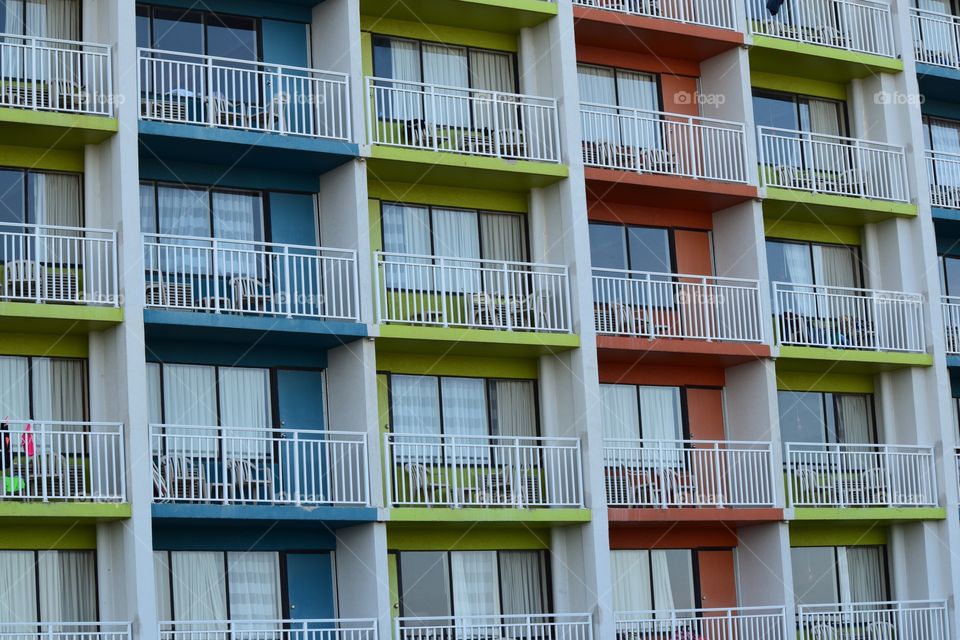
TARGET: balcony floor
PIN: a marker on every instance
(860, 514)
(543, 516)
(60, 319)
(819, 359)
(192, 514)
(665, 191)
(817, 62)
(499, 16)
(730, 515)
(472, 342)
(805, 206)
(679, 352)
(670, 39)
(53, 130)
(25, 512)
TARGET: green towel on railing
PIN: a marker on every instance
(13, 484)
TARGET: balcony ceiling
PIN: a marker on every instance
(668, 192)
(820, 360)
(669, 39)
(500, 16)
(686, 353)
(55, 131)
(817, 62)
(728, 516)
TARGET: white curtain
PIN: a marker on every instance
(447, 66)
(406, 229)
(404, 66)
(12, 66)
(68, 586)
(799, 270)
(59, 389)
(660, 413)
(825, 119)
(19, 601)
(161, 584)
(465, 414)
(637, 90)
(154, 398)
(492, 71)
(514, 407)
(415, 404)
(854, 419)
(598, 86)
(199, 592)
(662, 587)
(457, 235)
(254, 585)
(834, 266)
(63, 19)
(245, 412)
(184, 212)
(56, 200)
(619, 412)
(522, 582)
(502, 236)
(865, 574)
(475, 581)
(631, 580)
(14, 388)
(236, 216)
(190, 400)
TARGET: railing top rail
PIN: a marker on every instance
(53, 227)
(720, 280)
(290, 621)
(886, 605)
(950, 299)
(502, 618)
(673, 441)
(63, 423)
(475, 94)
(480, 261)
(774, 131)
(105, 48)
(947, 155)
(108, 627)
(883, 5)
(228, 429)
(932, 14)
(204, 59)
(254, 243)
(543, 440)
(658, 616)
(881, 447)
(596, 106)
(830, 289)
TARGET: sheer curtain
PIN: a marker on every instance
(514, 408)
(475, 580)
(522, 582)
(619, 412)
(254, 587)
(447, 66)
(825, 120)
(662, 587)
(63, 19)
(415, 408)
(406, 229)
(68, 586)
(492, 71)
(864, 573)
(631, 581)
(14, 388)
(59, 389)
(639, 91)
(854, 419)
(598, 87)
(19, 601)
(236, 216)
(457, 235)
(184, 212)
(245, 412)
(660, 413)
(190, 400)
(12, 66)
(56, 200)
(835, 266)
(503, 237)
(199, 592)
(800, 271)
(464, 409)
(161, 583)
(404, 65)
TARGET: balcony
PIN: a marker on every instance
(489, 472)
(859, 26)
(571, 626)
(748, 623)
(794, 163)
(950, 308)
(860, 475)
(719, 14)
(936, 38)
(331, 629)
(529, 300)
(688, 473)
(236, 466)
(66, 631)
(943, 171)
(906, 619)
(849, 319)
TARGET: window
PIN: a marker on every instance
(43, 198)
(618, 87)
(630, 412)
(197, 32)
(839, 575)
(41, 18)
(53, 389)
(184, 395)
(800, 113)
(816, 418)
(216, 585)
(948, 7)
(450, 66)
(631, 248)
(47, 586)
(941, 135)
(660, 580)
(470, 584)
(802, 263)
(950, 275)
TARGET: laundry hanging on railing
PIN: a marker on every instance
(773, 6)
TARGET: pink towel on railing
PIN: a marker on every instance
(26, 440)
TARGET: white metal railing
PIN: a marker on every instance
(708, 13)
(218, 275)
(479, 294)
(49, 74)
(45, 263)
(903, 620)
(482, 471)
(688, 473)
(943, 172)
(936, 37)
(813, 315)
(558, 626)
(860, 475)
(832, 165)
(950, 310)
(44, 460)
(236, 465)
(746, 623)
(243, 94)
(327, 629)
(663, 143)
(65, 631)
(462, 120)
(671, 305)
(862, 26)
